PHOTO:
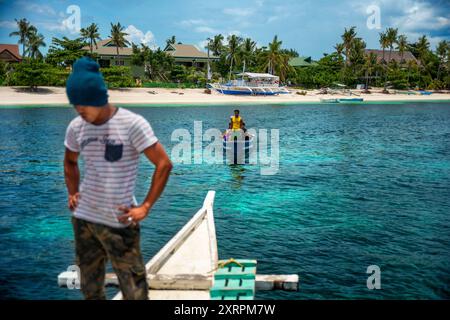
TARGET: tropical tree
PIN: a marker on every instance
(171, 40)
(442, 53)
(402, 46)
(384, 43)
(247, 51)
(370, 65)
(422, 47)
(25, 30)
(118, 37)
(339, 49)
(217, 44)
(34, 42)
(348, 37)
(234, 43)
(391, 39)
(274, 60)
(65, 51)
(91, 35)
(272, 56)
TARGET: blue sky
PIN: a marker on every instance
(310, 27)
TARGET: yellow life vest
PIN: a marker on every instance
(236, 122)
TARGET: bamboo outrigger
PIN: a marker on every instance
(184, 268)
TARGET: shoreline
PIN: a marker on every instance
(157, 97)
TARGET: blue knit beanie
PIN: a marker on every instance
(85, 85)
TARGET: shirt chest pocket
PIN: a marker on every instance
(113, 152)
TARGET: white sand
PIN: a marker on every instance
(56, 96)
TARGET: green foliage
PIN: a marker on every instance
(118, 77)
(64, 52)
(170, 85)
(3, 71)
(34, 73)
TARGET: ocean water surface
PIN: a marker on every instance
(357, 185)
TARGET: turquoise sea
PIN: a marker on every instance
(358, 185)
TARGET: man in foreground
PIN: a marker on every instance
(105, 217)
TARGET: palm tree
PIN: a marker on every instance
(423, 48)
(402, 45)
(24, 32)
(370, 64)
(410, 64)
(273, 56)
(339, 47)
(348, 37)
(247, 50)
(384, 43)
(118, 37)
(91, 34)
(234, 43)
(442, 52)
(217, 44)
(391, 35)
(171, 40)
(35, 40)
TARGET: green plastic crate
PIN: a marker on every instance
(234, 280)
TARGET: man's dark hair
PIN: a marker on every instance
(236, 110)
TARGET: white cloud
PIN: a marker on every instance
(272, 19)
(37, 8)
(406, 15)
(205, 29)
(201, 45)
(240, 12)
(137, 36)
(192, 22)
(8, 24)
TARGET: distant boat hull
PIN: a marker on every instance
(248, 91)
(329, 100)
(236, 149)
(345, 100)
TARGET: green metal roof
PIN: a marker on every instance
(301, 62)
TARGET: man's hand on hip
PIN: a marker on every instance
(133, 214)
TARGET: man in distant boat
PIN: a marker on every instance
(236, 122)
(105, 215)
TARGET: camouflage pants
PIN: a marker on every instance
(95, 244)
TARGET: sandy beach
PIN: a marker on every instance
(12, 96)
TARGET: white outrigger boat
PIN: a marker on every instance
(184, 268)
(255, 84)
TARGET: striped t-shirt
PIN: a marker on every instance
(111, 154)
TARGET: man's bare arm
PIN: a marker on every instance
(72, 177)
(158, 156)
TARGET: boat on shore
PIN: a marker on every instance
(329, 100)
(252, 84)
(341, 100)
(187, 266)
(347, 100)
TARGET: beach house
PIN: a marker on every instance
(107, 56)
(10, 53)
(393, 56)
(188, 55)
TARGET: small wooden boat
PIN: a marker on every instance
(347, 100)
(184, 268)
(329, 100)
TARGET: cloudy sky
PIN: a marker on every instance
(312, 27)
